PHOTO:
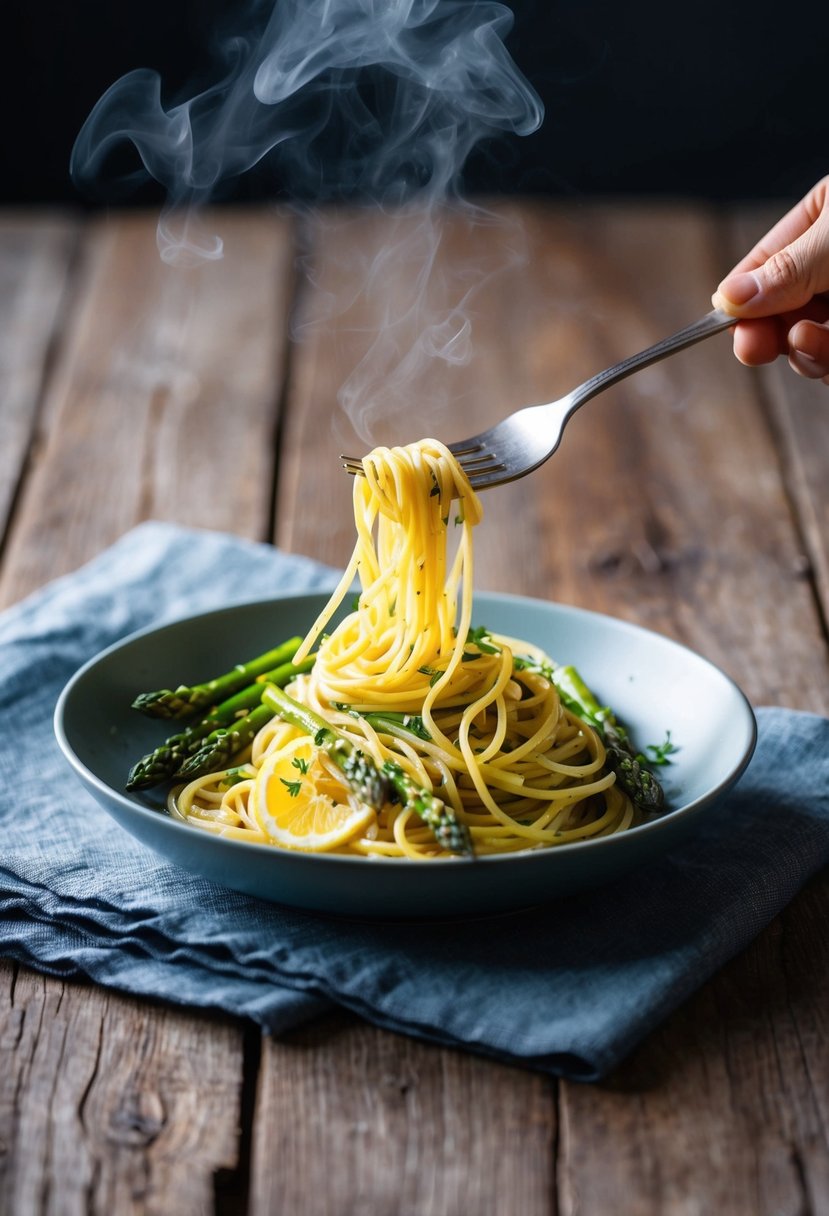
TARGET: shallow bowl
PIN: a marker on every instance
(653, 684)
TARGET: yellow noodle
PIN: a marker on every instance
(518, 768)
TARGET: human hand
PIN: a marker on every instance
(780, 291)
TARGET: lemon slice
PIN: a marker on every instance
(293, 812)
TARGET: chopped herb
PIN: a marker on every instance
(482, 638)
(355, 603)
(301, 764)
(414, 723)
(409, 722)
(435, 677)
(458, 520)
(525, 663)
(234, 775)
(659, 752)
(426, 671)
(293, 787)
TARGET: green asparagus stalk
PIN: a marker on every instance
(187, 699)
(631, 771)
(220, 746)
(160, 764)
(374, 786)
(412, 723)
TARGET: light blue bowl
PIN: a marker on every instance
(652, 683)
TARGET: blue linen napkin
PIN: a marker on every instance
(569, 990)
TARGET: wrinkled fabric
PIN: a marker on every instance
(569, 988)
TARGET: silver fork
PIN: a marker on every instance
(524, 440)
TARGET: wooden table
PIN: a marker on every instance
(693, 499)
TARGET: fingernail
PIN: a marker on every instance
(807, 365)
(738, 289)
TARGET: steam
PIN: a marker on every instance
(375, 101)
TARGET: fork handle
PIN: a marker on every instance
(712, 323)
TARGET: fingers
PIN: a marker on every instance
(760, 341)
(787, 268)
(809, 350)
(764, 338)
(789, 228)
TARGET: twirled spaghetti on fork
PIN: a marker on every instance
(468, 715)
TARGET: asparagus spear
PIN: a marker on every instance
(633, 774)
(162, 763)
(374, 786)
(630, 768)
(187, 700)
(221, 745)
(413, 723)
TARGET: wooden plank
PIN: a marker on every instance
(725, 1108)
(387, 1153)
(369, 311)
(108, 1104)
(665, 505)
(35, 255)
(164, 402)
(681, 487)
(352, 1119)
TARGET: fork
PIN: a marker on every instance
(521, 442)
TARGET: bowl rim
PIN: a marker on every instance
(529, 856)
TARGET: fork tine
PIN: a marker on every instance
(495, 476)
(466, 446)
(477, 464)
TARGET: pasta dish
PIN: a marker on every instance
(410, 732)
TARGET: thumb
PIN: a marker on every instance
(787, 280)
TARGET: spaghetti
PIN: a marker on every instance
(406, 678)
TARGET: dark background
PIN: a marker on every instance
(713, 99)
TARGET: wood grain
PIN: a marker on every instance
(692, 499)
(725, 1108)
(110, 1105)
(35, 257)
(352, 1119)
(164, 401)
(689, 503)
(666, 505)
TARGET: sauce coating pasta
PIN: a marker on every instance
(466, 714)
